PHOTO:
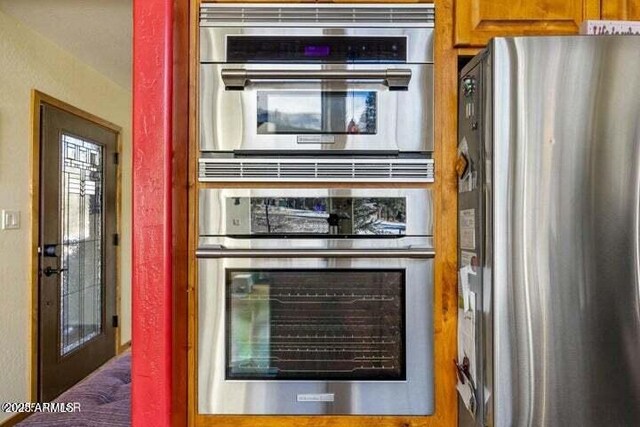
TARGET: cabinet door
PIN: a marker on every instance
(479, 20)
(373, 1)
(628, 10)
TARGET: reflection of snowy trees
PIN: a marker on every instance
(317, 204)
(367, 122)
(334, 112)
(379, 216)
(289, 215)
(276, 121)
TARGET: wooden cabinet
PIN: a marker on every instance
(621, 9)
(477, 21)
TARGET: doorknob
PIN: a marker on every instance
(50, 271)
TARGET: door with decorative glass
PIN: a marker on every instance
(77, 239)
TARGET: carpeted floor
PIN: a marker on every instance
(104, 397)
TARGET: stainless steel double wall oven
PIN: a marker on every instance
(315, 300)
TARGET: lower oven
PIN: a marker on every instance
(315, 302)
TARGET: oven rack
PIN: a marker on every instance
(359, 358)
(329, 326)
(352, 298)
(382, 339)
(316, 349)
(292, 318)
(274, 369)
(327, 360)
(285, 325)
(322, 313)
(357, 368)
(297, 289)
(271, 354)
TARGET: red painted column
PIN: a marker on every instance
(151, 280)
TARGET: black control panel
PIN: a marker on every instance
(316, 49)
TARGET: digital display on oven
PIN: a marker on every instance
(326, 48)
(317, 51)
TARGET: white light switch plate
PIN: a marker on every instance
(10, 220)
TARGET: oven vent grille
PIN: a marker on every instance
(327, 170)
(398, 15)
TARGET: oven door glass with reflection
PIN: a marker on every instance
(316, 112)
(305, 324)
(316, 216)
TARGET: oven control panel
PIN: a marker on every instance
(316, 49)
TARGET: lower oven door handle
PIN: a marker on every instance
(394, 79)
(315, 253)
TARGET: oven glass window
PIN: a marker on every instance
(315, 324)
(309, 112)
(313, 216)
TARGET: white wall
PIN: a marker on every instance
(29, 61)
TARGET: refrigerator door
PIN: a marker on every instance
(474, 250)
(566, 252)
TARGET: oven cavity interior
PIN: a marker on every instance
(327, 324)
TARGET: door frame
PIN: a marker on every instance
(37, 99)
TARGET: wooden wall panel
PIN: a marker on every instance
(627, 10)
(192, 317)
(180, 212)
(479, 20)
(446, 214)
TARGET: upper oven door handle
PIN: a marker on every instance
(222, 252)
(394, 79)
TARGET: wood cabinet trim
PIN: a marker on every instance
(180, 212)
(193, 213)
(445, 212)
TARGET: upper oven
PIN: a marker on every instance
(300, 81)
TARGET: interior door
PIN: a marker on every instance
(77, 271)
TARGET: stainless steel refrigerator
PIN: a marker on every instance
(549, 233)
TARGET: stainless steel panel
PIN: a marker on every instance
(411, 397)
(213, 40)
(222, 252)
(393, 78)
(486, 349)
(566, 208)
(214, 210)
(228, 119)
(214, 168)
(329, 15)
(471, 135)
